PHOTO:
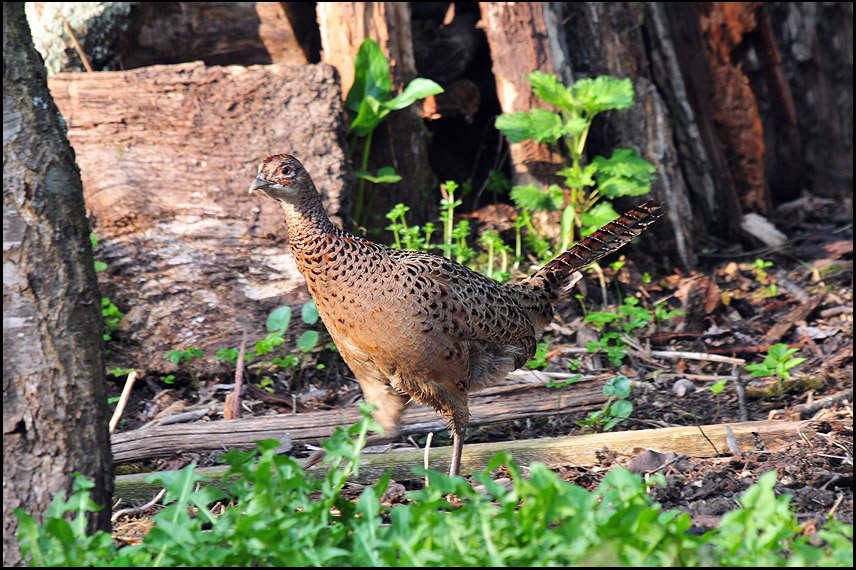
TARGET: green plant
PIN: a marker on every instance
(539, 359)
(272, 514)
(277, 323)
(454, 243)
(496, 247)
(628, 318)
(778, 363)
(662, 314)
(759, 267)
(110, 312)
(412, 238)
(616, 409)
(369, 101)
(623, 174)
(188, 355)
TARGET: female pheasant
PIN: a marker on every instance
(415, 326)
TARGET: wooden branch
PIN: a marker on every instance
(493, 405)
(554, 452)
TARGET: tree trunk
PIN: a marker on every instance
(401, 140)
(191, 257)
(605, 39)
(54, 397)
(523, 39)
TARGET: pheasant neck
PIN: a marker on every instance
(307, 222)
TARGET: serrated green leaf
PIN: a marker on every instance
(602, 213)
(579, 178)
(625, 173)
(530, 197)
(603, 93)
(547, 87)
(540, 125)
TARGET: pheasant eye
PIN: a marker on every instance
(287, 172)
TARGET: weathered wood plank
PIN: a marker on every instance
(491, 406)
(554, 452)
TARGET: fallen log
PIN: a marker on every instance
(493, 405)
(555, 452)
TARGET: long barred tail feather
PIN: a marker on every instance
(601, 243)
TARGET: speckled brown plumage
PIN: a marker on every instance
(417, 326)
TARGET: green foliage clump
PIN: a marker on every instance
(369, 101)
(273, 514)
(778, 363)
(277, 324)
(624, 173)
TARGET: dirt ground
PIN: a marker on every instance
(736, 306)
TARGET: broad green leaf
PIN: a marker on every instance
(417, 89)
(307, 341)
(371, 113)
(371, 76)
(309, 313)
(279, 319)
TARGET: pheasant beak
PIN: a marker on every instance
(259, 183)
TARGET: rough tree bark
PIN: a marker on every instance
(166, 154)
(401, 141)
(606, 39)
(586, 40)
(522, 38)
(54, 397)
(127, 35)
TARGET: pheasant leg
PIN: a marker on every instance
(457, 447)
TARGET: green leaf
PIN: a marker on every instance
(371, 113)
(603, 93)
(532, 198)
(309, 313)
(307, 341)
(279, 319)
(618, 386)
(547, 87)
(417, 89)
(100, 266)
(597, 216)
(625, 173)
(619, 411)
(540, 125)
(371, 77)
(385, 175)
(579, 177)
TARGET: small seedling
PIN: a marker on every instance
(539, 359)
(190, 353)
(616, 409)
(778, 363)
